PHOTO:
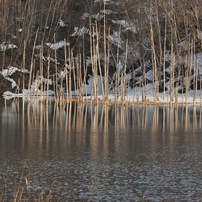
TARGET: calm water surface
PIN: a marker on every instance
(93, 153)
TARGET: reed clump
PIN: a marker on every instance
(120, 51)
(19, 190)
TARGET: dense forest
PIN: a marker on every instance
(66, 48)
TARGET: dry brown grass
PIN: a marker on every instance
(160, 24)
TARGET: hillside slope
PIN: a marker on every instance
(123, 50)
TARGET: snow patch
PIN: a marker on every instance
(80, 31)
(127, 25)
(5, 46)
(62, 23)
(9, 71)
(19, 30)
(57, 45)
(26, 95)
(116, 40)
(89, 89)
(108, 12)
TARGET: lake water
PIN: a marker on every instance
(78, 152)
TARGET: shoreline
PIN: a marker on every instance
(108, 102)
